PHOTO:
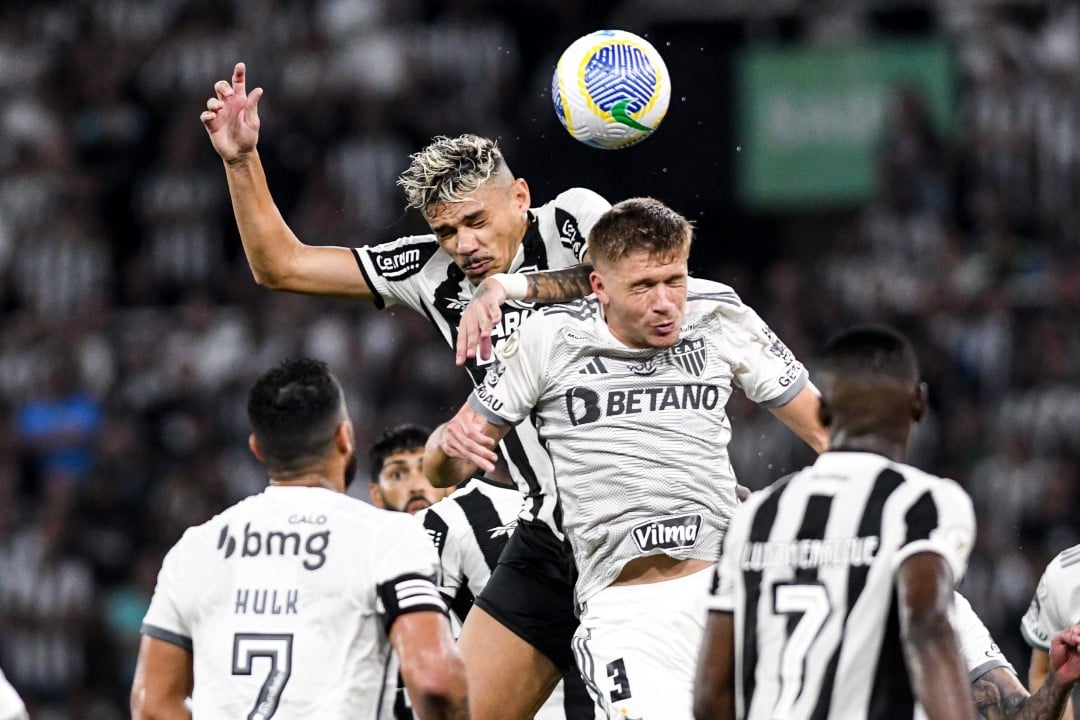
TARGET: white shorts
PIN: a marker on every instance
(638, 645)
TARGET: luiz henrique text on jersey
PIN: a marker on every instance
(809, 570)
(638, 437)
(413, 271)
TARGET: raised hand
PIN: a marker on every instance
(1065, 656)
(231, 117)
(478, 320)
(463, 438)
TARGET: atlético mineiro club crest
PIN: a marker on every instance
(689, 356)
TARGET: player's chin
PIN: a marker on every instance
(663, 338)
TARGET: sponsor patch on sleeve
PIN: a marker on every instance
(399, 263)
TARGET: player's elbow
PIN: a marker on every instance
(710, 703)
(437, 682)
(142, 707)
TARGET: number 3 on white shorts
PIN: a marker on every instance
(616, 670)
(277, 648)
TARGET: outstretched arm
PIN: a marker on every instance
(999, 695)
(802, 415)
(485, 310)
(924, 589)
(458, 447)
(276, 256)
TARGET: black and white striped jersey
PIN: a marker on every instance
(1056, 604)
(469, 529)
(808, 568)
(413, 271)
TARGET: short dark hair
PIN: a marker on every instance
(294, 409)
(395, 440)
(641, 223)
(871, 350)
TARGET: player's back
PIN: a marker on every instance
(809, 569)
(278, 596)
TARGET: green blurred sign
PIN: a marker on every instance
(809, 118)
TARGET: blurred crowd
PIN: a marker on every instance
(130, 327)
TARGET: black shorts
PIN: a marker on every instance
(531, 592)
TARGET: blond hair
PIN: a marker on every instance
(448, 169)
(641, 223)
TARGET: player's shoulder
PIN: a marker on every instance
(405, 256)
(709, 292)
(578, 202)
(919, 477)
(1065, 564)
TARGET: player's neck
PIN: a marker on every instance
(312, 479)
(893, 449)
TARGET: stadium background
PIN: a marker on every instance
(130, 327)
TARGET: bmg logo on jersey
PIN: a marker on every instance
(680, 531)
(275, 542)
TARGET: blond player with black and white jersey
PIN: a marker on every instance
(475, 277)
(628, 389)
(300, 601)
(1054, 607)
(834, 591)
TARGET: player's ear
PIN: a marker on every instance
(596, 280)
(920, 398)
(343, 437)
(519, 191)
(824, 413)
(376, 496)
(253, 445)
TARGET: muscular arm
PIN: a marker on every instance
(459, 446)
(714, 685)
(485, 310)
(276, 256)
(931, 650)
(999, 695)
(163, 680)
(802, 415)
(431, 666)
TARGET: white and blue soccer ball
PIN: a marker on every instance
(610, 89)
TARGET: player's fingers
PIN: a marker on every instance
(222, 89)
(214, 104)
(486, 347)
(207, 117)
(239, 77)
(253, 105)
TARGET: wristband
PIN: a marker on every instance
(516, 285)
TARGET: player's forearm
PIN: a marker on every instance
(445, 699)
(1046, 703)
(268, 242)
(551, 286)
(937, 674)
(442, 470)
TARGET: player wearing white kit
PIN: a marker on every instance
(998, 693)
(1055, 606)
(834, 588)
(11, 705)
(628, 389)
(289, 603)
(517, 640)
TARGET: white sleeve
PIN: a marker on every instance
(406, 570)
(11, 705)
(166, 618)
(1054, 605)
(941, 520)
(764, 367)
(514, 382)
(391, 269)
(981, 653)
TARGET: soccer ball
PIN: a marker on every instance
(610, 89)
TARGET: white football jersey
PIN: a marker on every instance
(415, 272)
(1056, 604)
(638, 437)
(809, 570)
(11, 705)
(981, 653)
(286, 599)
